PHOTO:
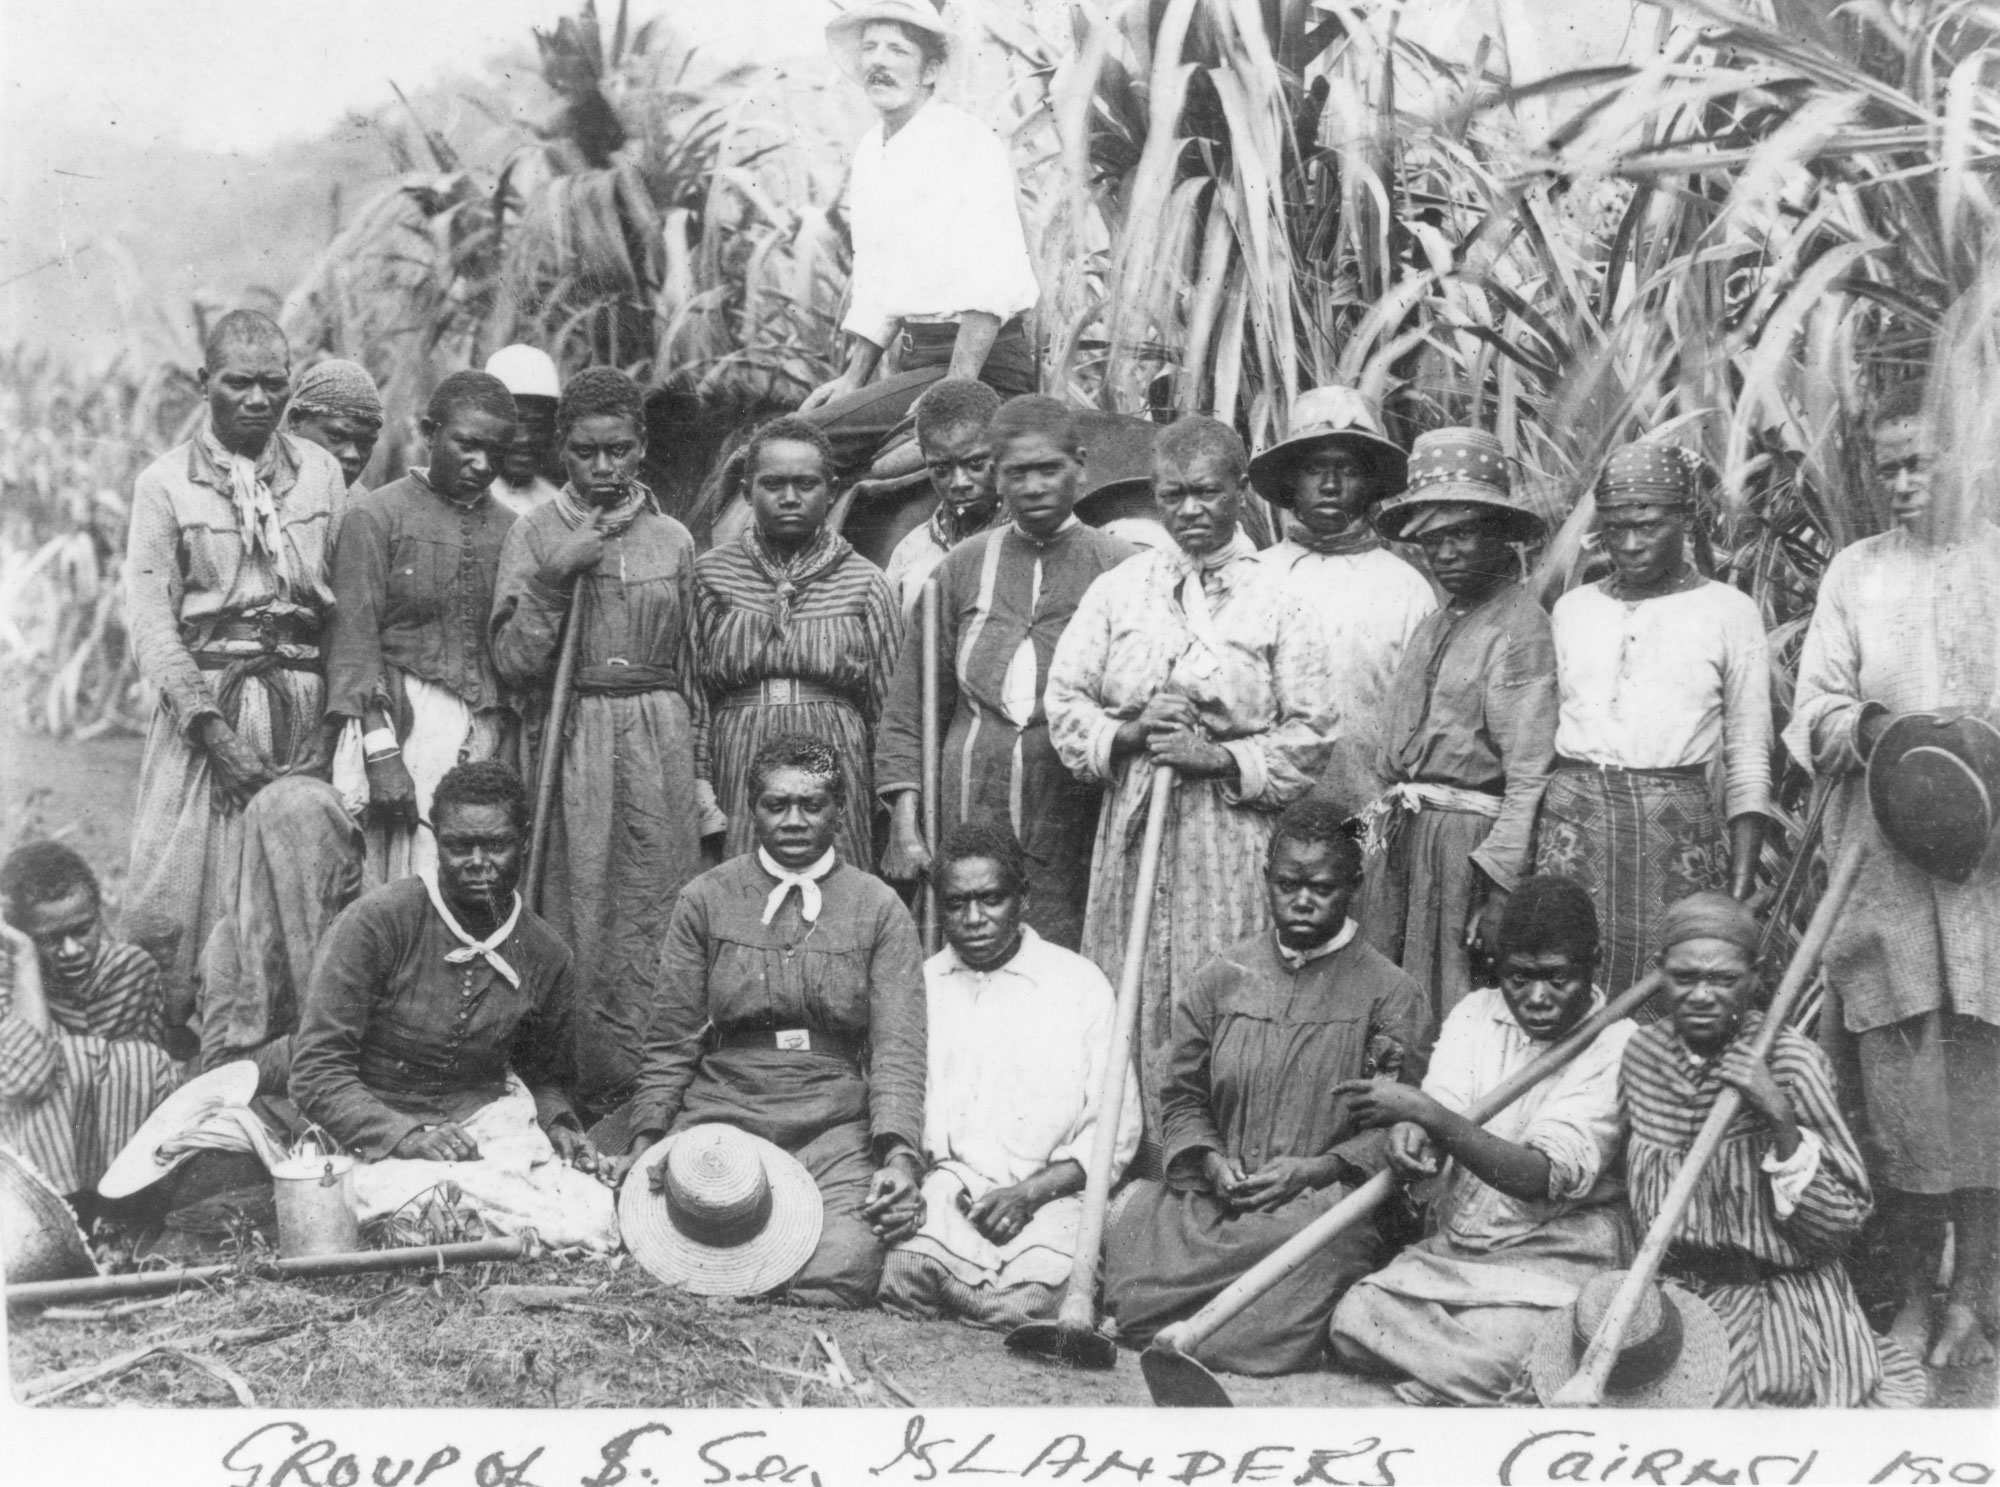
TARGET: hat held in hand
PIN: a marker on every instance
(735, 1215)
(1674, 1355)
(1934, 785)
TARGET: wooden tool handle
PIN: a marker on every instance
(1079, 1306)
(548, 766)
(1185, 1337)
(932, 764)
(1585, 1389)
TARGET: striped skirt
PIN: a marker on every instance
(101, 1094)
(1637, 841)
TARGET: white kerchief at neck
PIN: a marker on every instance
(1194, 594)
(1298, 960)
(486, 949)
(256, 507)
(807, 882)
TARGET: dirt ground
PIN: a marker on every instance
(476, 1338)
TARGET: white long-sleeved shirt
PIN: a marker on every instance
(937, 229)
(1667, 682)
(1016, 1056)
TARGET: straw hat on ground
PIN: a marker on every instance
(1451, 470)
(843, 32)
(738, 1216)
(1330, 415)
(39, 1239)
(1675, 1354)
(1934, 787)
(141, 1163)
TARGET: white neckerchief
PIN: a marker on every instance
(1193, 594)
(806, 882)
(485, 949)
(1298, 960)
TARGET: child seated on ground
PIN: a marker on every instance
(81, 1023)
(1531, 1205)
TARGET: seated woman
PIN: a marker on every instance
(1778, 1203)
(82, 1023)
(435, 1038)
(1532, 1204)
(1019, 1031)
(1256, 1145)
(790, 1003)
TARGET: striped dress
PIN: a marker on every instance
(72, 1096)
(1797, 1336)
(824, 629)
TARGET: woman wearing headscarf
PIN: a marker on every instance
(795, 631)
(633, 798)
(337, 406)
(790, 1004)
(1661, 673)
(1781, 1199)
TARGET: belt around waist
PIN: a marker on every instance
(1719, 1267)
(1665, 772)
(295, 658)
(780, 691)
(616, 678)
(263, 632)
(790, 1040)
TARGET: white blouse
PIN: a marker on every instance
(1667, 682)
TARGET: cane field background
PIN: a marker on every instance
(1735, 241)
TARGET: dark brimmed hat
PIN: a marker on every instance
(1330, 415)
(739, 1216)
(1934, 784)
(1675, 1354)
(1456, 467)
(1117, 479)
(843, 32)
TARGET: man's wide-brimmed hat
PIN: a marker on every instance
(1330, 415)
(738, 1216)
(1454, 468)
(1675, 1354)
(1934, 786)
(843, 32)
(143, 1163)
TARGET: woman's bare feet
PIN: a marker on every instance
(1912, 1327)
(1961, 1341)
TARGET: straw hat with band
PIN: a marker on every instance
(843, 32)
(1675, 1354)
(182, 1113)
(737, 1216)
(1455, 474)
(1934, 788)
(1330, 415)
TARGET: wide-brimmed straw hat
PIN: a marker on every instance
(738, 1216)
(1675, 1354)
(843, 32)
(1330, 415)
(39, 1239)
(1934, 786)
(1456, 467)
(142, 1163)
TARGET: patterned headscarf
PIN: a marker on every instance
(338, 389)
(1649, 475)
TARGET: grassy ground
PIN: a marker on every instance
(475, 1338)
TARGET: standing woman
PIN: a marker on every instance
(633, 797)
(1660, 671)
(796, 633)
(409, 673)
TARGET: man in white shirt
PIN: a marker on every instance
(941, 269)
(1017, 1033)
(1337, 464)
